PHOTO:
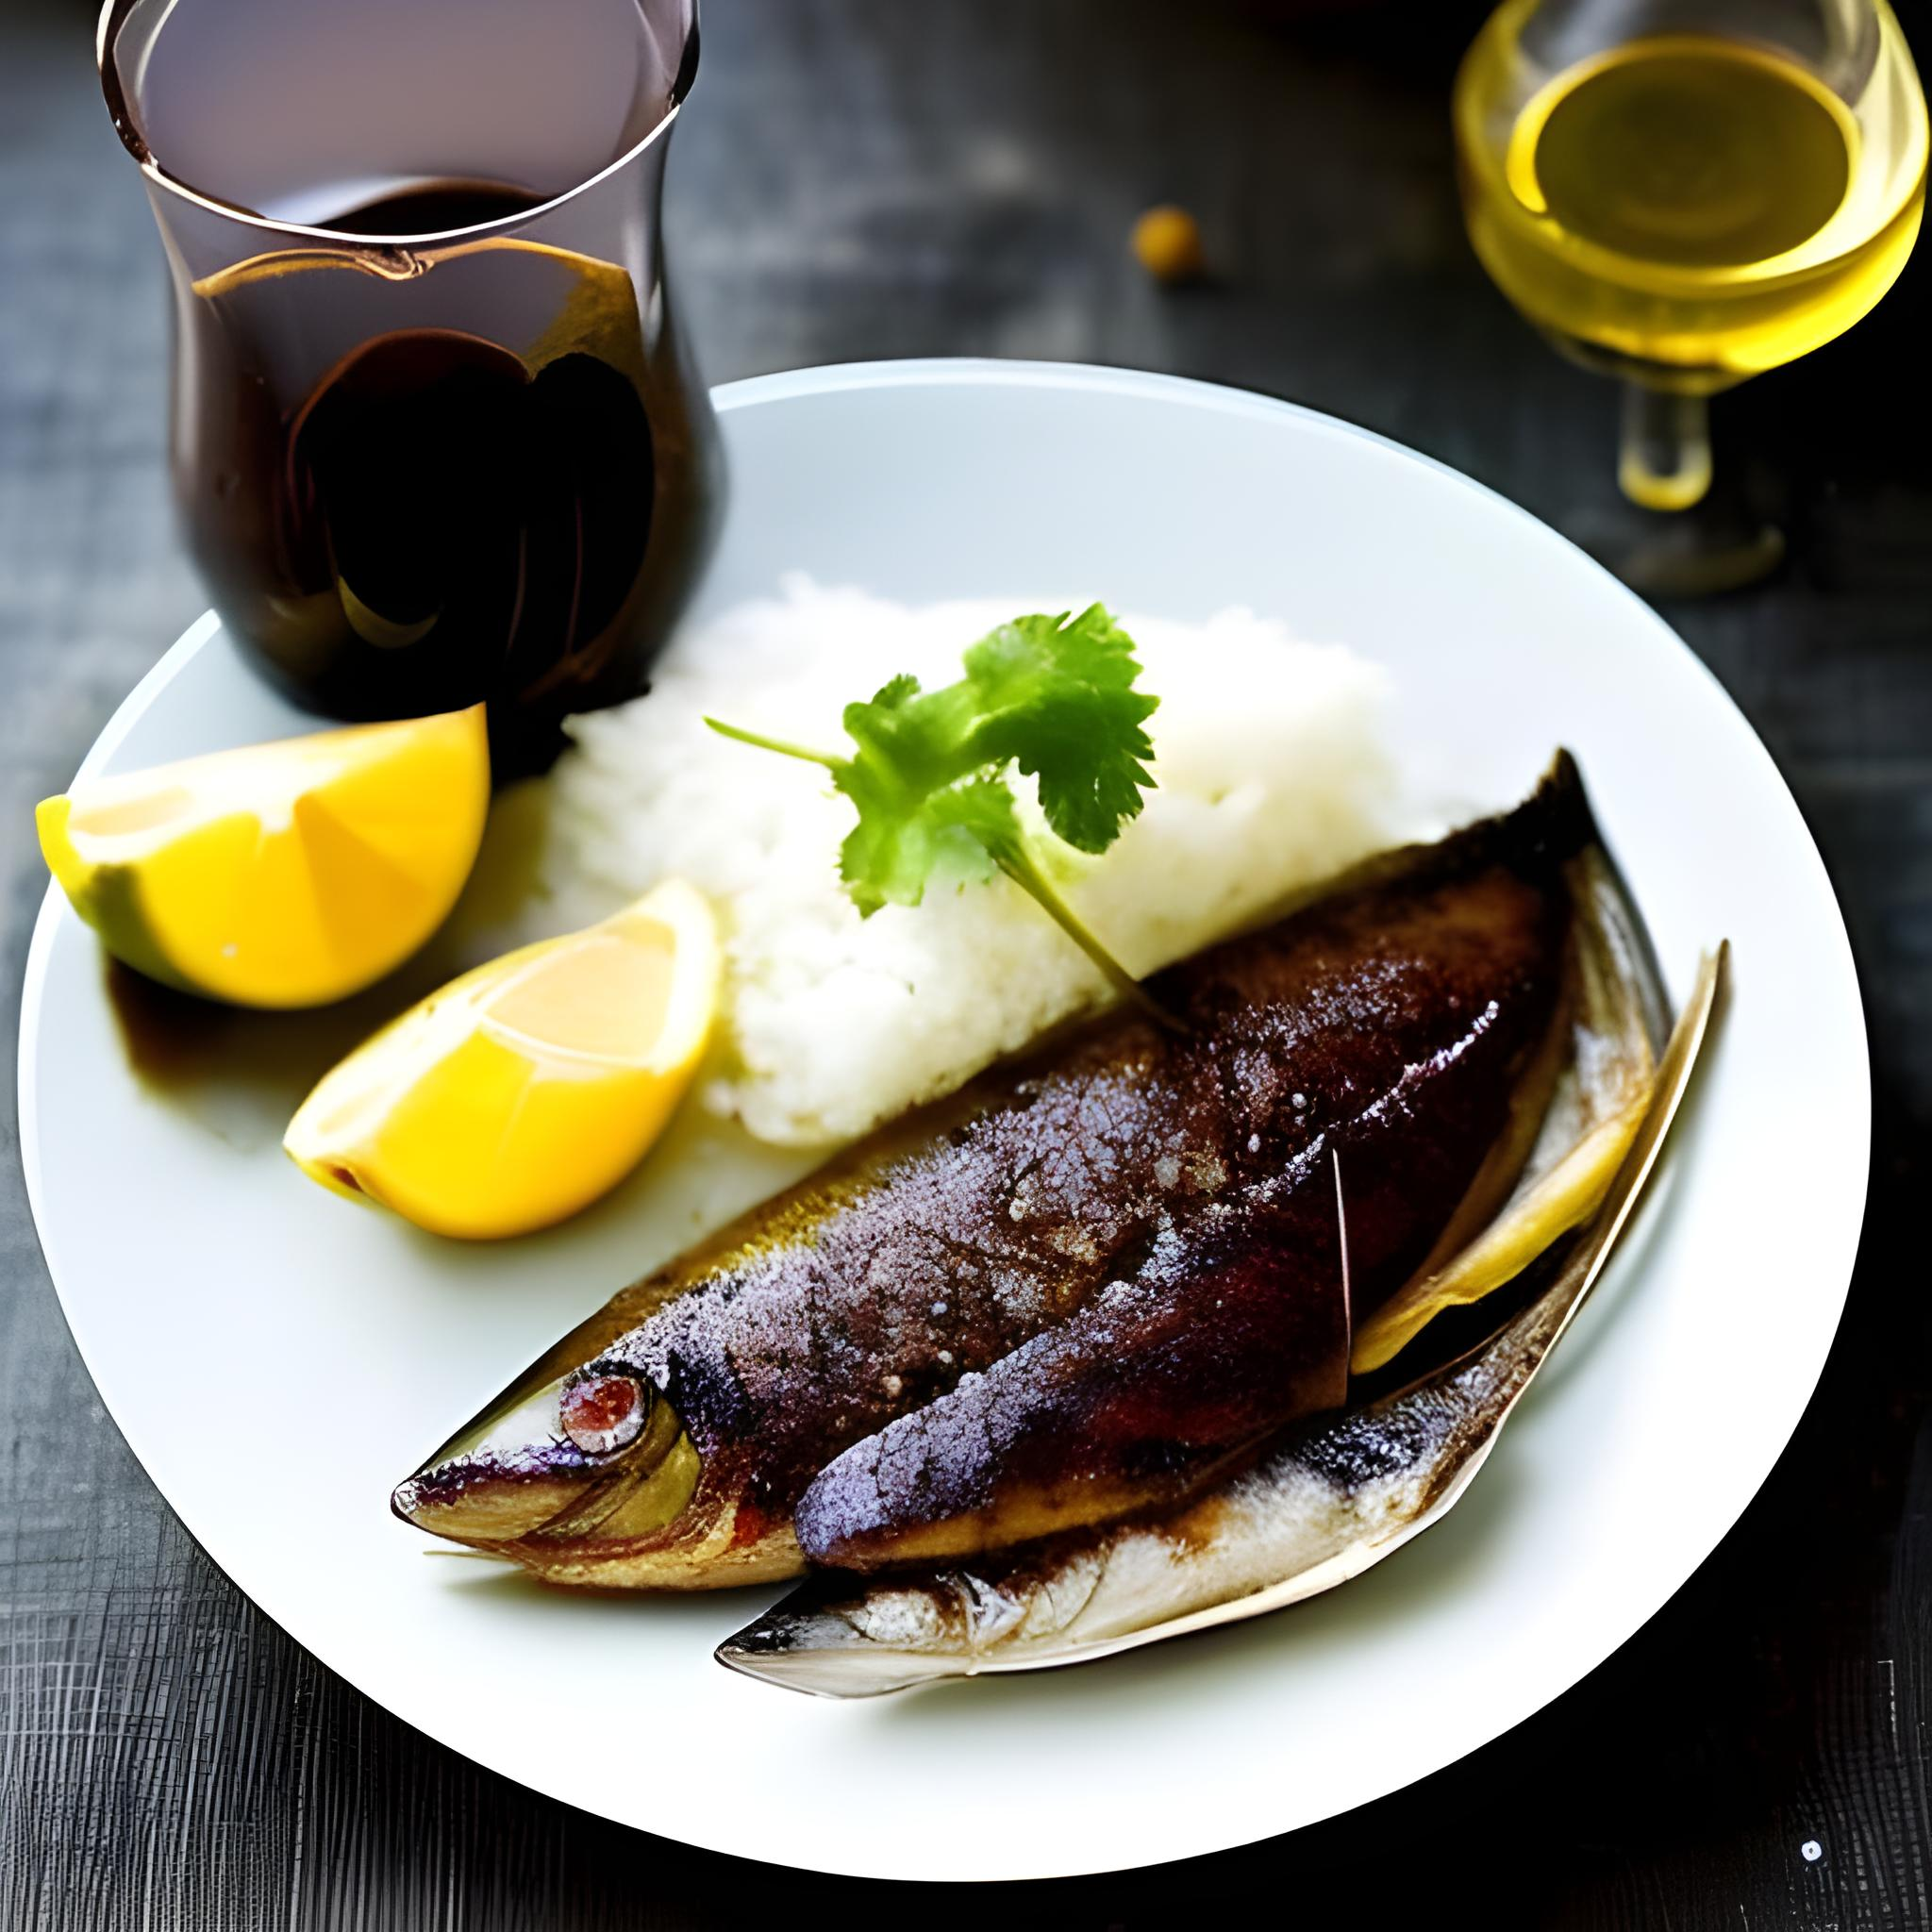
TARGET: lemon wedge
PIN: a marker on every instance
(284, 874)
(527, 1087)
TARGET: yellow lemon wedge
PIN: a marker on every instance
(284, 874)
(527, 1087)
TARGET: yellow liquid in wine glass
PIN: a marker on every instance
(1686, 210)
(1689, 154)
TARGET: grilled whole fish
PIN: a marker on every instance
(1328, 1500)
(1093, 1283)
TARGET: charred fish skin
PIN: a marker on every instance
(1237, 1322)
(1226, 1330)
(1382, 1025)
(1150, 1391)
(916, 1265)
(1328, 1500)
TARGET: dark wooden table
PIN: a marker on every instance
(892, 178)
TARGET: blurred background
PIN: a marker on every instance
(877, 178)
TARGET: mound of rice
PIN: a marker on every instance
(1271, 775)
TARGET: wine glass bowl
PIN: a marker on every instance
(1683, 193)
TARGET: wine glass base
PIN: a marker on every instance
(1702, 551)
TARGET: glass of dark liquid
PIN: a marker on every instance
(436, 437)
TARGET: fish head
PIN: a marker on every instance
(579, 1457)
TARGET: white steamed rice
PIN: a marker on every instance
(1271, 774)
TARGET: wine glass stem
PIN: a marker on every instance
(1664, 459)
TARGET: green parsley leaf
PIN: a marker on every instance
(1059, 699)
(1053, 696)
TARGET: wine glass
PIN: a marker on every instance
(1682, 193)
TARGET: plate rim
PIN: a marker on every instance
(958, 372)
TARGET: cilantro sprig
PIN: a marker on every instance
(929, 768)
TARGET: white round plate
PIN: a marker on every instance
(279, 1358)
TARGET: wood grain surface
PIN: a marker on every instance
(892, 178)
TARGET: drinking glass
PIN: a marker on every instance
(435, 433)
(1683, 193)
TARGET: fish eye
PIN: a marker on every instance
(603, 1409)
